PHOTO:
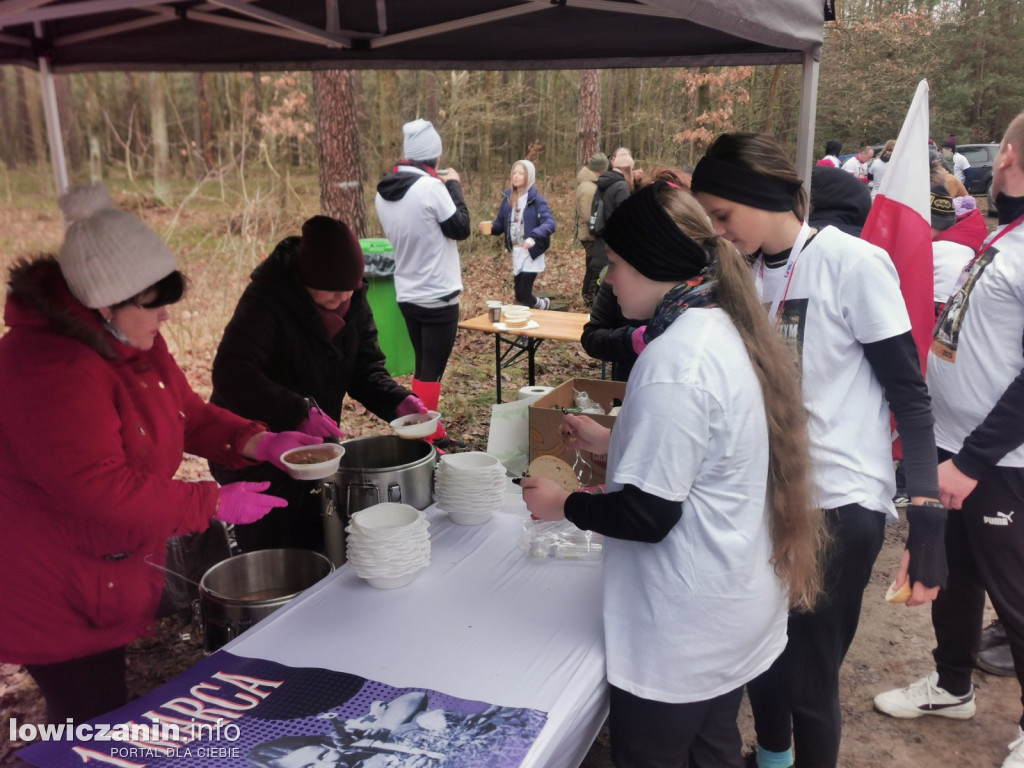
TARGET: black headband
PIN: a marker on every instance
(742, 185)
(646, 237)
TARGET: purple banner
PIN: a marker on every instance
(232, 711)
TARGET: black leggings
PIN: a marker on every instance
(432, 333)
(796, 701)
(653, 734)
(523, 283)
(82, 688)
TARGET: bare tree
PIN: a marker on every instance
(161, 144)
(341, 167)
(588, 119)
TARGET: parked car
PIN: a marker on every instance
(978, 178)
(992, 211)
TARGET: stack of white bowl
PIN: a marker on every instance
(469, 486)
(387, 544)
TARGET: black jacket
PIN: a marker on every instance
(275, 353)
(608, 335)
(612, 187)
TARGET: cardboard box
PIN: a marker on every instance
(546, 420)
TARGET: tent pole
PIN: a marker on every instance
(808, 111)
(53, 133)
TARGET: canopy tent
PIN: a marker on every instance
(59, 36)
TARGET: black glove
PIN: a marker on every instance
(927, 544)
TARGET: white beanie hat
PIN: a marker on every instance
(422, 141)
(108, 255)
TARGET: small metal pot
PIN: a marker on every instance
(240, 591)
(374, 470)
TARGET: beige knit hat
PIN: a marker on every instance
(108, 255)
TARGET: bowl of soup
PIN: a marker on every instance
(312, 462)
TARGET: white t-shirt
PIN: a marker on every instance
(426, 262)
(960, 164)
(949, 260)
(856, 167)
(878, 169)
(701, 612)
(977, 353)
(844, 293)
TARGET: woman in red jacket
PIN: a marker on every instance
(94, 418)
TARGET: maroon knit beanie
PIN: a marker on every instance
(329, 257)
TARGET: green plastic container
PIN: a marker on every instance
(391, 331)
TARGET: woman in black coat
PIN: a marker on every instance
(301, 338)
(612, 337)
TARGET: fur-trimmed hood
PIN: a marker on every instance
(38, 296)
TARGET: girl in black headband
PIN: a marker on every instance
(837, 300)
(710, 531)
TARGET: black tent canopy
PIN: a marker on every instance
(60, 36)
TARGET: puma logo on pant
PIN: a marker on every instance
(1001, 518)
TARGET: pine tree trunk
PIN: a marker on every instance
(8, 135)
(70, 134)
(341, 167)
(161, 145)
(205, 123)
(588, 119)
(390, 131)
(29, 148)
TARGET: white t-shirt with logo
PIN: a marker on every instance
(844, 293)
(982, 332)
(426, 262)
(701, 612)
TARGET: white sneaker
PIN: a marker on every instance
(542, 303)
(1016, 757)
(924, 697)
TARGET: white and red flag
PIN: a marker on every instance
(900, 220)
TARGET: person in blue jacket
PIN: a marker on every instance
(525, 220)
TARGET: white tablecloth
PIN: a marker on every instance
(482, 622)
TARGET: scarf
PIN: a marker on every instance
(694, 293)
(428, 169)
(333, 319)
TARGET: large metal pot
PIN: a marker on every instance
(240, 591)
(374, 470)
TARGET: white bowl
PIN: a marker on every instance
(386, 516)
(392, 582)
(469, 518)
(416, 426)
(304, 470)
(470, 461)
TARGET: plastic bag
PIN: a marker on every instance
(585, 403)
(559, 539)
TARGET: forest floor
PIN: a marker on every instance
(892, 647)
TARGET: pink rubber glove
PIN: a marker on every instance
(273, 444)
(638, 339)
(319, 424)
(409, 406)
(243, 502)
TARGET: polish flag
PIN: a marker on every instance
(900, 220)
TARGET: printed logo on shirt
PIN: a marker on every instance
(1001, 518)
(947, 327)
(792, 321)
